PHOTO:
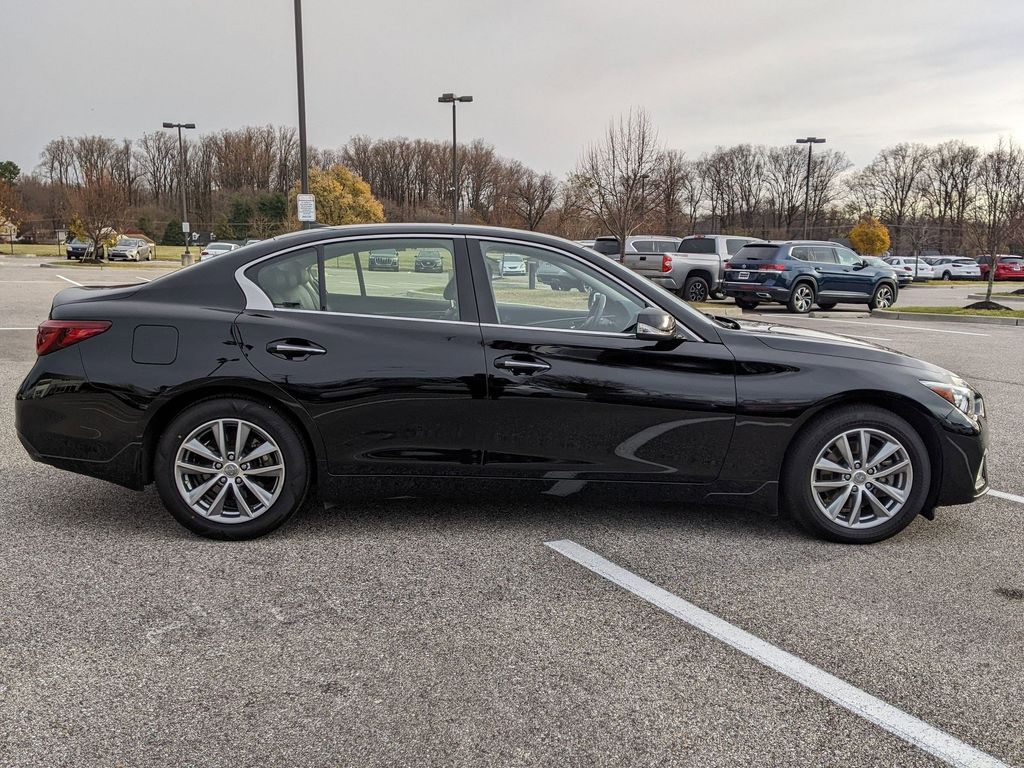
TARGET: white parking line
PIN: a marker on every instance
(907, 727)
(905, 326)
(861, 336)
(143, 279)
(19, 329)
(1007, 496)
(68, 279)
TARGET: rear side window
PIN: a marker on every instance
(291, 281)
(823, 255)
(801, 252)
(756, 252)
(697, 245)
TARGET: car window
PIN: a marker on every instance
(665, 245)
(847, 256)
(823, 254)
(567, 294)
(609, 246)
(400, 290)
(697, 245)
(733, 244)
(290, 281)
(801, 252)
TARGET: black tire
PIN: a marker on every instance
(827, 305)
(695, 289)
(947, 276)
(801, 298)
(798, 499)
(746, 304)
(718, 295)
(292, 450)
(883, 297)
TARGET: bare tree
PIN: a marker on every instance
(999, 205)
(614, 171)
(892, 182)
(784, 171)
(98, 212)
(947, 189)
(531, 194)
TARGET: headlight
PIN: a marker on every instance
(959, 393)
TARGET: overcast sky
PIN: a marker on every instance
(546, 75)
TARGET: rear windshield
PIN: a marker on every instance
(756, 252)
(697, 245)
(607, 245)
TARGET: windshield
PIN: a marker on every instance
(126, 242)
(219, 247)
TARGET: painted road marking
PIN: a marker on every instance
(19, 329)
(1007, 496)
(68, 279)
(938, 743)
(861, 336)
(143, 279)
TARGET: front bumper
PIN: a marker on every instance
(964, 473)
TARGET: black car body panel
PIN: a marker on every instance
(401, 405)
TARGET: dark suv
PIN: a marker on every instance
(802, 273)
(386, 260)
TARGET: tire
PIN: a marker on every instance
(696, 289)
(816, 445)
(883, 297)
(746, 304)
(947, 276)
(718, 295)
(801, 298)
(827, 305)
(282, 493)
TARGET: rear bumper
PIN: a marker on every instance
(755, 291)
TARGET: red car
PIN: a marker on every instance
(1007, 267)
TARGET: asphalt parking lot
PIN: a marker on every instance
(417, 633)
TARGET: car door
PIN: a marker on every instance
(388, 365)
(572, 393)
(829, 272)
(855, 279)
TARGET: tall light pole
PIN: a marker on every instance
(301, 78)
(810, 141)
(451, 98)
(186, 257)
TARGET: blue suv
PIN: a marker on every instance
(802, 273)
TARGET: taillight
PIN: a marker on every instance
(773, 267)
(666, 263)
(57, 334)
(727, 265)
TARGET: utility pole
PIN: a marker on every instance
(446, 98)
(810, 141)
(186, 257)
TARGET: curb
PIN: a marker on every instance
(981, 319)
(995, 298)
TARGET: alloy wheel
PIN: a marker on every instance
(802, 298)
(883, 298)
(862, 478)
(697, 291)
(229, 470)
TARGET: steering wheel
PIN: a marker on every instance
(597, 302)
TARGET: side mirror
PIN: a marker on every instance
(655, 325)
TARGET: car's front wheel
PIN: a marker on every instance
(857, 475)
(231, 468)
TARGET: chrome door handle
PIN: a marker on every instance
(515, 366)
(294, 350)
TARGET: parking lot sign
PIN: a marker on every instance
(307, 207)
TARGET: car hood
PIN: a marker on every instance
(786, 338)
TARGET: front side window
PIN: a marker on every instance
(847, 257)
(567, 294)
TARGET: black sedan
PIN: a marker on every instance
(241, 384)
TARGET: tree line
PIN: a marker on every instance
(950, 197)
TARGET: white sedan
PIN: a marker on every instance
(216, 249)
(908, 265)
(956, 268)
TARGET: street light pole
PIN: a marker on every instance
(186, 257)
(446, 98)
(810, 141)
(301, 79)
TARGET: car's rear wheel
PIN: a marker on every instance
(746, 304)
(696, 289)
(801, 298)
(231, 468)
(857, 475)
(883, 297)
(947, 276)
(827, 305)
